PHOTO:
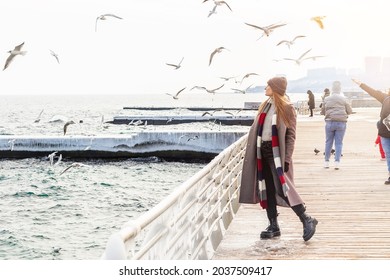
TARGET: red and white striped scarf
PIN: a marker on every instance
(276, 154)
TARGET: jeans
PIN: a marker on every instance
(386, 148)
(334, 132)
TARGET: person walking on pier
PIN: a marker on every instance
(384, 122)
(267, 172)
(311, 102)
(336, 110)
(326, 94)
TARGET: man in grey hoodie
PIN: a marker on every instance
(336, 110)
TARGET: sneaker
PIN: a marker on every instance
(326, 164)
(383, 159)
(387, 182)
(336, 165)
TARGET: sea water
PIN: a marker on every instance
(47, 216)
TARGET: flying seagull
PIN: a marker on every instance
(208, 90)
(266, 29)
(176, 66)
(217, 50)
(55, 56)
(67, 124)
(248, 75)
(51, 157)
(176, 96)
(302, 57)
(16, 51)
(38, 119)
(290, 43)
(75, 164)
(318, 20)
(104, 17)
(243, 91)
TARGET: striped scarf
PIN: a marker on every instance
(276, 154)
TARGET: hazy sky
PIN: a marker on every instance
(129, 56)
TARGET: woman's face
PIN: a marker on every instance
(268, 91)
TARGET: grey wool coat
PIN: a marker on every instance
(248, 191)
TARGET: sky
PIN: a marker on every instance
(129, 55)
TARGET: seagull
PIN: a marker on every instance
(248, 75)
(299, 59)
(11, 144)
(193, 138)
(189, 138)
(176, 66)
(216, 4)
(316, 151)
(218, 110)
(176, 96)
(56, 251)
(59, 160)
(55, 56)
(290, 43)
(217, 50)
(16, 51)
(67, 124)
(213, 11)
(75, 164)
(135, 123)
(104, 17)
(208, 90)
(243, 91)
(51, 157)
(318, 20)
(266, 29)
(227, 78)
(38, 119)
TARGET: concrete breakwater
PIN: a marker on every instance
(168, 145)
(170, 120)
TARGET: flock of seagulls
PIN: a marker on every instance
(18, 49)
(266, 31)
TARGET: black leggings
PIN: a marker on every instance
(273, 184)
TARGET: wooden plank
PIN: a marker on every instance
(352, 204)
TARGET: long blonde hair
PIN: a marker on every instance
(281, 102)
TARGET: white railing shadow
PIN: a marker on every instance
(189, 223)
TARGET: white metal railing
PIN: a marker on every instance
(189, 223)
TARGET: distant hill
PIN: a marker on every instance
(319, 79)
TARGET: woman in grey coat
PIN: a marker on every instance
(267, 174)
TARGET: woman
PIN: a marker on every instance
(311, 102)
(271, 142)
(383, 127)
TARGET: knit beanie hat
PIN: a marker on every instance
(278, 84)
(336, 87)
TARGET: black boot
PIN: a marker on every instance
(272, 230)
(309, 226)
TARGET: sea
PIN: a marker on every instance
(70, 217)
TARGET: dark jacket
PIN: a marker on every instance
(311, 103)
(385, 111)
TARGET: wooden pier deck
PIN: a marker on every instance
(352, 204)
